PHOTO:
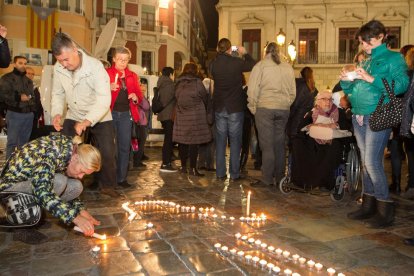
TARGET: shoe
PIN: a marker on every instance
(110, 192)
(144, 157)
(409, 241)
(195, 172)
(221, 177)
(258, 184)
(367, 210)
(139, 165)
(29, 236)
(241, 177)
(183, 170)
(124, 185)
(167, 168)
(395, 187)
(384, 216)
(409, 194)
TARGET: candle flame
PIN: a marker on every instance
(104, 237)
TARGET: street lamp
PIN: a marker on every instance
(292, 51)
(281, 38)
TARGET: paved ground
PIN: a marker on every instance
(182, 244)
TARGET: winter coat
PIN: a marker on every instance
(302, 104)
(383, 63)
(86, 92)
(271, 86)
(408, 111)
(166, 90)
(132, 85)
(5, 58)
(226, 72)
(12, 86)
(190, 124)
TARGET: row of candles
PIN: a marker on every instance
(279, 252)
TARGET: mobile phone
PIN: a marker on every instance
(234, 48)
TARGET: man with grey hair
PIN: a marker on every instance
(81, 84)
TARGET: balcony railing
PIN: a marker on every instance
(106, 17)
(327, 58)
(152, 26)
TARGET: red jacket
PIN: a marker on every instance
(132, 84)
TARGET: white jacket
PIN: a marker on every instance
(85, 92)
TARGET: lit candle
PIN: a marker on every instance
(96, 249)
(263, 262)
(231, 218)
(187, 209)
(248, 204)
(95, 235)
(132, 216)
(200, 209)
(287, 271)
(258, 242)
(145, 202)
(240, 253)
(149, 225)
(116, 78)
(178, 206)
(217, 245)
(251, 240)
(302, 260)
(278, 251)
(248, 219)
(183, 209)
(252, 219)
(340, 274)
(276, 269)
(318, 266)
(207, 209)
(214, 216)
(331, 271)
(255, 259)
(224, 248)
(286, 254)
(248, 258)
(271, 248)
(244, 238)
(264, 246)
(295, 274)
(241, 218)
(253, 215)
(233, 251)
(136, 202)
(205, 215)
(171, 203)
(200, 215)
(263, 217)
(223, 217)
(193, 209)
(238, 235)
(270, 266)
(212, 209)
(311, 263)
(295, 257)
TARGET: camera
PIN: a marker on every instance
(352, 75)
(234, 48)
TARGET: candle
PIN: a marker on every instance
(212, 209)
(252, 219)
(248, 204)
(224, 248)
(254, 215)
(207, 209)
(255, 259)
(264, 246)
(240, 253)
(200, 215)
(136, 202)
(233, 251)
(116, 78)
(270, 266)
(95, 235)
(302, 260)
(182, 208)
(318, 266)
(287, 271)
(238, 235)
(96, 249)
(331, 271)
(247, 219)
(248, 258)
(340, 274)
(251, 240)
(295, 257)
(178, 206)
(217, 245)
(278, 251)
(286, 254)
(187, 209)
(200, 209)
(205, 215)
(270, 248)
(241, 218)
(231, 218)
(263, 262)
(149, 225)
(276, 269)
(244, 238)
(193, 209)
(214, 216)
(258, 242)
(295, 274)
(132, 216)
(223, 217)
(311, 263)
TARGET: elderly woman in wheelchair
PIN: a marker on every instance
(316, 151)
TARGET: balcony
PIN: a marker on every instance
(106, 17)
(152, 26)
(327, 58)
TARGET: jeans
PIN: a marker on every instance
(371, 145)
(228, 125)
(19, 128)
(167, 146)
(123, 126)
(271, 124)
(103, 138)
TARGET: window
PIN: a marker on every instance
(148, 18)
(251, 41)
(53, 4)
(308, 46)
(64, 6)
(113, 9)
(348, 45)
(23, 2)
(395, 33)
(37, 3)
(147, 61)
(179, 31)
(78, 8)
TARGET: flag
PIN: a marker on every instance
(42, 23)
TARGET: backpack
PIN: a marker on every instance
(156, 105)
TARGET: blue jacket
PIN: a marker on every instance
(383, 63)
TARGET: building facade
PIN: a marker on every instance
(158, 32)
(322, 31)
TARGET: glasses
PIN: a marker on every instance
(122, 60)
(325, 99)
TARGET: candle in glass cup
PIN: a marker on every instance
(224, 249)
(217, 245)
(311, 263)
(238, 235)
(341, 274)
(241, 218)
(286, 254)
(214, 216)
(276, 269)
(278, 251)
(240, 253)
(270, 266)
(318, 266)
(255, 259)
(287, 272)
(231, 218)
(295, 257)
(244, 238)
(212, 209)
(251, 240)
(193, 209)
(331, 271)
(295, 274)
(248, 258)
(258, 242)
(262, 262)
(264, 246)
(207, 209)
(233, 251)
(223, 217)
(302, 260)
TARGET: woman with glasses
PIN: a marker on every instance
(126, 95)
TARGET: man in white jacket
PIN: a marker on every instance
(81, 84)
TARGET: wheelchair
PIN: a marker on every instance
(347, 174)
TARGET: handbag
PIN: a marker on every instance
(21, 209)
(210, 106)
(386, 115)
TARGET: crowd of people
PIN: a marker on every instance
(203, 115)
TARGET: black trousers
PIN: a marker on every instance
(141, 134)
(167, 147)
(102, 136)
(186, 151)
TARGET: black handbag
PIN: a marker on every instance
(21, 209)
(386, 115)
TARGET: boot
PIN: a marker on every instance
(183, 170)
(367, 209)
(195, 172)
(395, 187)
(384, 216)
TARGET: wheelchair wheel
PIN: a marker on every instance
(284, 185)
(353, 170)
(338, 192)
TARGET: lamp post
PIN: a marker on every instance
(281, 38)
(292, 51)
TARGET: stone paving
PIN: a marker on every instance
(312, 226)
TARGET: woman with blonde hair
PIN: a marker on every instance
(46, 173)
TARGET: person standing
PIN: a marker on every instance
(271, 91)
(18, 96)
(38, 112)
(141, 130)
(190, 126)
(364, 93)
(229, 103)
(4, 48)
(81, 84)
(126, 95)
(166, 90)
